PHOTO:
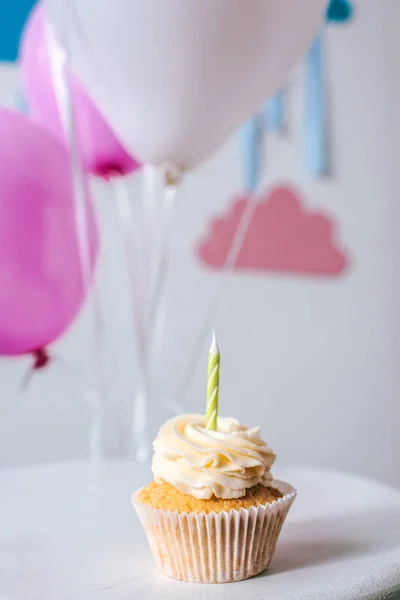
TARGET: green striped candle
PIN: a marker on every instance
(213, 385)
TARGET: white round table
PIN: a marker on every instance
(68, 531)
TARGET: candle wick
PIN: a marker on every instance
(214, 349)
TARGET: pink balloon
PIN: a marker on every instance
(41, 287)
(101, 152)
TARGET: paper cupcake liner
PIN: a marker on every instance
(215, 547)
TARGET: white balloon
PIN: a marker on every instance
(175, 77)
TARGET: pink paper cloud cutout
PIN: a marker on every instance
(283, 237)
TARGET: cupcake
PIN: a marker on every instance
(213, 513)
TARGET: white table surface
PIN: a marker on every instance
(68, 531)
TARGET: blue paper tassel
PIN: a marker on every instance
(275, 112)
(315, 117)
(251, 138)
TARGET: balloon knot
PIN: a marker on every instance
(41, 359)
(173, 174)
(108, 170)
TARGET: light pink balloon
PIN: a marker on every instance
(41, 287)
(101, 152)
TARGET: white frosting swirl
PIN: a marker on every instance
(201, 462)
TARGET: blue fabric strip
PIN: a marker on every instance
(315, 111)
(275, 112)
(251, 138)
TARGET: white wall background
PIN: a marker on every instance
(313, 361)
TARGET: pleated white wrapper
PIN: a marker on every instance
(215, 547)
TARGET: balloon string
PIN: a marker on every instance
(143, 322)
(207, 323)
(146, 291)
(139, 409)
(143, 404)
(152, 288)
(162, 268)
(150, 181)
(139, 262)
(171, 176)
(62, 88)
(124, 208)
